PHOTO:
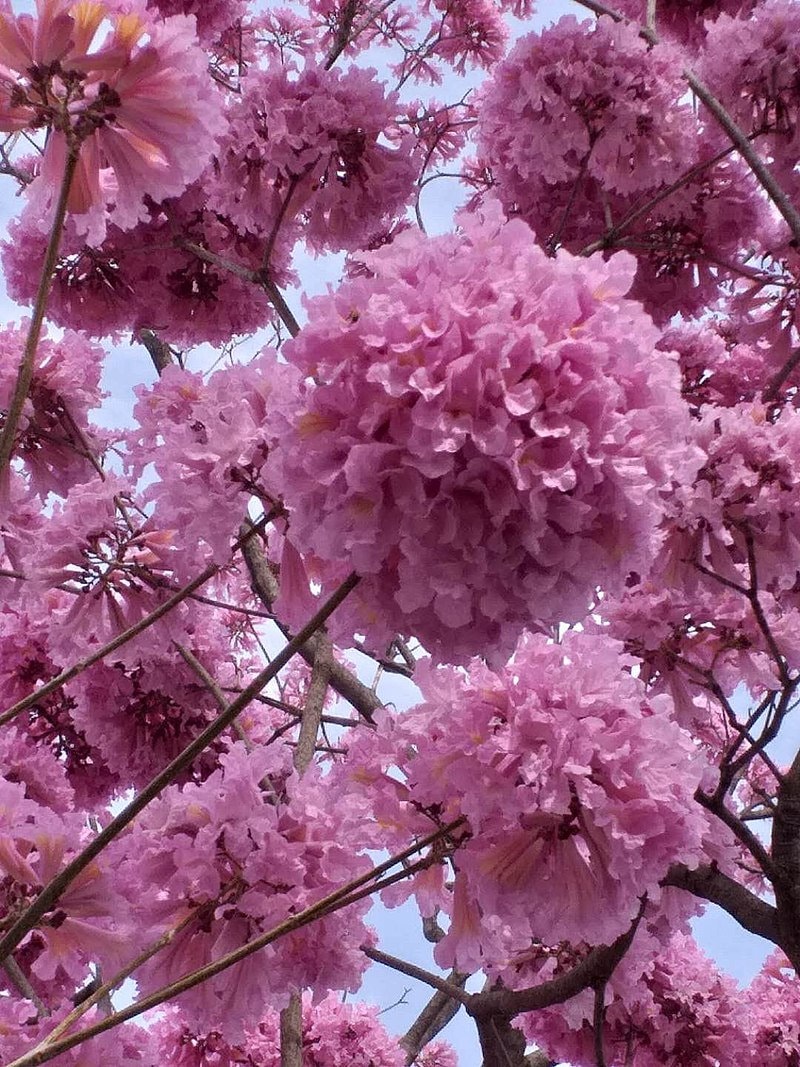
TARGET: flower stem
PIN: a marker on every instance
(25, 372)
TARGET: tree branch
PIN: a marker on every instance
(265, 585)
(598, 965)
(709, 883)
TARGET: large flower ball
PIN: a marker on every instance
(575, 787)
(487, 438)
(584, 101)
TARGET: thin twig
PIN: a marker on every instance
(20, 981)
(411, 970)
(53, 890)
(143, 624)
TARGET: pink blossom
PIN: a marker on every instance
(751, 64)
(48, 728)
(682, 1011)
(772, 1017)
(21, 1029)
(89, 922)
(209, 442)
(55, 437)
(685, 20)
(335, 1034)
(213, 17)
(243, 859)
(584, 101)
(310, 145)
(576, 786)
(141, 107)
(478, 457)
(143, 278)
(114, 563)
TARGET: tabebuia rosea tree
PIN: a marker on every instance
(471, 585)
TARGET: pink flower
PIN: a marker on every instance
(312, 146)
(576, 787)
(141, 108)
(479, 441)
(241, 860)
(681, 1011)
(55, 432)
(142, 278)
(585, 97)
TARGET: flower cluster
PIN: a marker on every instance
(685, 20)
(772, 1016)
(485, 443)
(334, 1034)
(213, 17)
(152, 276)
(237, 858)
(89, 923)
(681, 1011)
(21, 1029)
(311, 145)
(208, 442)
(574, 784)
(112, 561)
(581, 102)
(56, 441)
(752, 66)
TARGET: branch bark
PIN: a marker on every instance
(786, 860)
(266, 587)
(709, 883)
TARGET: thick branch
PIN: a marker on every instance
(433, 1018)
(265, 585)
(707, 882)
(502, 1044)
(292, 1033)
(786, 860)
(315, 700)
(598, 966)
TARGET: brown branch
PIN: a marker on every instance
(433, 1018)
(786, 860)
(265, 585)
(597, 966)
(773, 386)
(709, 883)
(292, 1032)
(21, 983)
(158, 350)
(411, 970)
(315, 700)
